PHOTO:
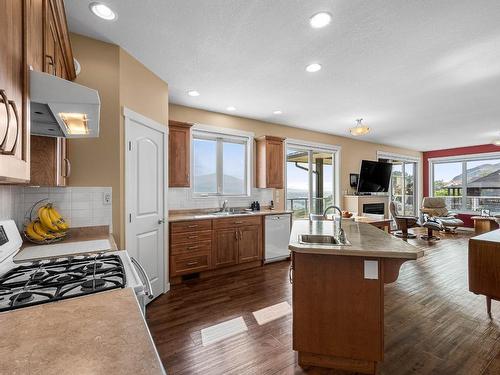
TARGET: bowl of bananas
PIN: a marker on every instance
(45, 228)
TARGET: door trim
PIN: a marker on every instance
(129, 115)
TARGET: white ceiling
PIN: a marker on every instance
(423, 74)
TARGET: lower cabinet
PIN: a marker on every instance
(232, 244)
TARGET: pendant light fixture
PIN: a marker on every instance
(359, 129)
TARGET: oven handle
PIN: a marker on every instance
(149, 288)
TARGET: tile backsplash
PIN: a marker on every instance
(80, 206)
(181, 198)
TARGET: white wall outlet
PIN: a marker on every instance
(371, 269)
(106, 199)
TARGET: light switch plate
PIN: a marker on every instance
(371, 269)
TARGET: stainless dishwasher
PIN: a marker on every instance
(277, 237)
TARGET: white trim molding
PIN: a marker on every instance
(400, 157)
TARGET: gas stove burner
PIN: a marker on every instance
(90, 267)
(22, 297)
(68, 277)
(37, 276)
(93, 284)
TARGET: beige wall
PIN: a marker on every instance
(121, 81)
(353, 151)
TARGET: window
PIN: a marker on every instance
(467, 184)
(220, 164)
(310, 177)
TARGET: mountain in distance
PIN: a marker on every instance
(475, 173)
(208, 183)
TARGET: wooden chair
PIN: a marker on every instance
(403, 223)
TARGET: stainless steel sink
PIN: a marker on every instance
(321, 239)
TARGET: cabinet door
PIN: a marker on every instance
(179, 139)
(250, 242)
(36, 34)
(274, 151)
(14, 128)
(51, 43)
(225, 251)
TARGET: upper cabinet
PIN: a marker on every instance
(14, 122)
(270, 162)
(35, 34)
(179, 152)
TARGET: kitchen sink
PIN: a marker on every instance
(231, 213)
(321, 239)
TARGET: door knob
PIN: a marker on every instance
(161, 221)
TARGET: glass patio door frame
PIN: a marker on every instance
(403, 188)
(310, 148)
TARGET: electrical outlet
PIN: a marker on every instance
(106, 199)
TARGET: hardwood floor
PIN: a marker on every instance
(433, 324)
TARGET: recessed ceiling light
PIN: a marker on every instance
(278, 112)
(193, 93)
(312, 68)
(102, 11)
(320, 20)
(231, 108)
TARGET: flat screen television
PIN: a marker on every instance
(374, 177)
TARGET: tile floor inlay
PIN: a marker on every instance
(268, 314)
(222, 331)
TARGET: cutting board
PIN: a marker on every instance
(40, 252)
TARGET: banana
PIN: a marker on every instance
(40, 230)
(43, 215)
(30, 232)
(57, 218)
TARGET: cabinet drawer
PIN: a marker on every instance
(237, 221)
(184, 264)
(190, 238)
(189, 248)
(190, 226)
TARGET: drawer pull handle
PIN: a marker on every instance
(192, 247)
(192, 237)
(238, 222)
(193, 226)
(192, 263)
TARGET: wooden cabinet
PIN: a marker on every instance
(179, 154)
(50, 165)
(208, 247)
(270, 162)
(226, 247)
(14, 120)
(249, 246)
(31, 30)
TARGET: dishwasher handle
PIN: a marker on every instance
(140, 268)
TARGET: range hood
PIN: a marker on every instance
(61, 108)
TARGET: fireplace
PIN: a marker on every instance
(374, 208)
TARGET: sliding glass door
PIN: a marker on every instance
(403, 182)
(309, 180)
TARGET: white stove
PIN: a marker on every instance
(65, 275)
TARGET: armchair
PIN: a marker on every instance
(435, 208)
(403, 223)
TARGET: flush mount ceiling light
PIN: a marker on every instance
(231, 108)
(102, 11)
(359, 129)
(278, 112)
(319, 20)
(193, 93)
(313, 68)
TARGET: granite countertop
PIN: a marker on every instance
(102, 333)
(366, 240)
(204, 214)
(493, 236)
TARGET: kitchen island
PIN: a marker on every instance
(338, 292)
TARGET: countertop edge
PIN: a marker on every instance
(357, 253)
(205, 216)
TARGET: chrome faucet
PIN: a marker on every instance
(225, 206)
(342, 238)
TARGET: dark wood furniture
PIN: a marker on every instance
(35, 34)
(403, 223)
(384, 224)
(179, 154)
(270, 162)
(208, 247)
(484, 266)
(483, 224)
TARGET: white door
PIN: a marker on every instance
(145, 190)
